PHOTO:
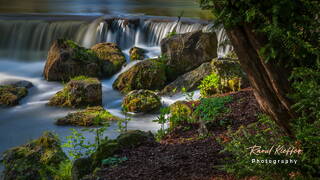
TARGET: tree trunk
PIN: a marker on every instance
(268, 80)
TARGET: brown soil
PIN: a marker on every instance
(182, 155)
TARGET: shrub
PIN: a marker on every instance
(209, 85)
(210, 109)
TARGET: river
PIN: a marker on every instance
(28, 27)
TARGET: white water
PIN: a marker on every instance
(23, 49)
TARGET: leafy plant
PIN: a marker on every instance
(162, 120)
(264, 133)
(209, 85)
(171, 34)
(63, 172)
(211, 108)
(123, 124)
(78, 146)
(189, 95)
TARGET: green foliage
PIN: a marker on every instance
(162, 120)
(171, 34)
(80, 53)
(188, 95)
(113, 161)
(211, 108)
(209, 85)
(63, 171)
(264, 133)
(78, 146)
(123, 124)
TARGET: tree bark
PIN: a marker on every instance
(268, 80)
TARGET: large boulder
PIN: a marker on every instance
(137, 53)
(66, 60)
(33, 160)
(148, 74)
(10, 95)
(141, 101)
(78, 93)
(91, 116)
(111, 56)
(185, 52)
(188, 81)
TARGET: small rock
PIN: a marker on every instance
(92, 116)
(78, 93)
(10, 95)
(17, 83)
(134, 138)
(137, 53)
(141, 101)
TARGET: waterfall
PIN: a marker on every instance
(31, 38)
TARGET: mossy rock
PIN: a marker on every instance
(66, 60)
(188, 81)
(137, 53)
(148, 74)
(81, 167)
(10, 95)
(111, 57)
(34, 159)
(92, 116)
(141, 101)
(232, 77)
(79, 93)
(107, 148)
(134, 138)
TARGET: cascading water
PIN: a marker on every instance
(28, 39)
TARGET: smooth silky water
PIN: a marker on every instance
(24, 43)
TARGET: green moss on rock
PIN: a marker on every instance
(66, 60)
(34, 159)
(137, 53)
(148, 74)
(134, 138)
(141, 101)
(92, 116)
(110, 56)
(10, 95)
(78, 94)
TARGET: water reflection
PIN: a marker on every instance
(149, 7)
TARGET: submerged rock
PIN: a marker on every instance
(110, 56)
(185, 52)
(189, 81)
(148, 74)
(92, 116)
(17, 83)
(66, 60)
(10, 95)
(141, 101)
(33, 160)
(137, 53)
(78, 93)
